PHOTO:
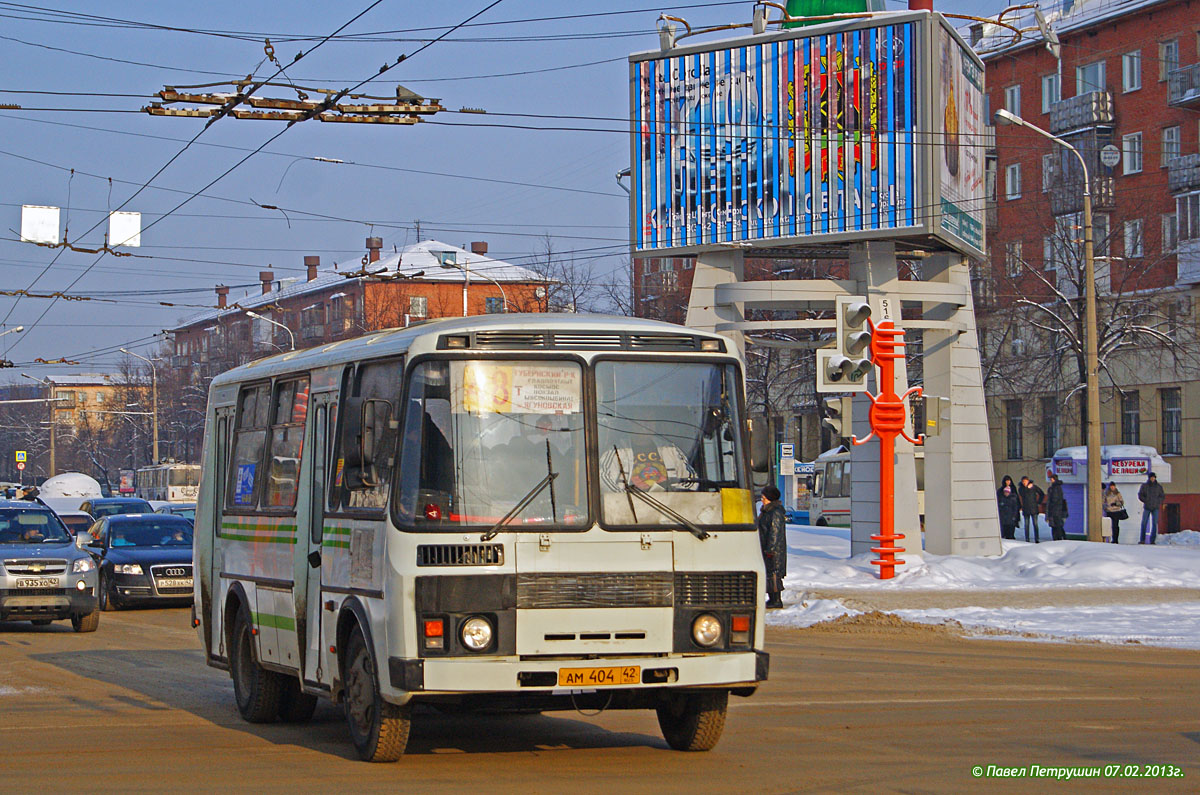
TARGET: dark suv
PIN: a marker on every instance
(44, 574)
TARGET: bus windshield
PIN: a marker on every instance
(494, 443)
(668, 436)
(185, 475)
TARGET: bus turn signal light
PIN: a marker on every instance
(434, 631)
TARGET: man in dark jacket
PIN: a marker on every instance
(772, 535)
(1056, 509)
(1030, 495)
(1152, 497)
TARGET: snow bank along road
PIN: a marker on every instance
(865, 704)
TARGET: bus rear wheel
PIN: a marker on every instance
(693, 721)
(378, 729)
(256, 690)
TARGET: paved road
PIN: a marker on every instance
(852, 708)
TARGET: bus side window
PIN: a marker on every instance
(818, 482)
(846, 479)
(377, 385)
(249, 440)
(287, 443)
(833, 479)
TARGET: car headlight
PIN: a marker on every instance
(127, 568)
(476, 633)
(706, 630)
(82, 565)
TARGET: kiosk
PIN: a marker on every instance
(1126, 464)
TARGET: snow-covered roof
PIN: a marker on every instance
(424, 257)
(82, 379)
(1063, 17)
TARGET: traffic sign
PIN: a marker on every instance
(1110, 155)
(20, 455)
(20, 465)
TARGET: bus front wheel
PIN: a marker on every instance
(693, 721)
(378, 729)
(256, 690)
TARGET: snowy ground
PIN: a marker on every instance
(1048, 580)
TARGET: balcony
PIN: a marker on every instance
(313, 331)
(1183, 173)
(1066, 181)
(1086, 110)
(1183, 86)
(1188, 262)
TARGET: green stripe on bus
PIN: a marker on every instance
(337, 531)
(265, 528)
(337, 544)
(260, 539)
(276, 622)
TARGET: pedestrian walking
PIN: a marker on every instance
(1030, 495)
(772, 535)
(1152, 497)
(1114, 509)
(1056, 509)
(1009, 506)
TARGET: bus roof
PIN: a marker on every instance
(398, 340)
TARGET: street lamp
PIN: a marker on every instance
(467, 283)
(1091, 345)
(153, 399)
(291, 336)
(46, 382)
(13, 330)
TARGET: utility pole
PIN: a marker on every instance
(153, 399)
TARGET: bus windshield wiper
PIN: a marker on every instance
(670, 513)
(538, 488)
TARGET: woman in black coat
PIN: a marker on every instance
(772, 535)
(1009, 505)
(1056, 509)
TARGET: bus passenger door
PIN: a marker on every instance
(211, 582)
(310, 584)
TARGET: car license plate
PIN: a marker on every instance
(38, 582)
(179, 583)
(592, 677)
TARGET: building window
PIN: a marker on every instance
(1172, 422)
(418, 307)
(1131, 71)
(1051, 91)
(1012, 181)
(1170, 145)
(1047, 172)
(1049, 253)
(1170, 233)
(1013, 429)
(1132, 152)
(1168, 58)
(1012, 258)
(1133, 238)
(493, 305)
(1049, 426)
(1131, 418)
(1187, 211)
(1012, 99)
(1100, 235)
(1089, 78)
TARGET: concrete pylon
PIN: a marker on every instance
(873, 267)
(961, 518)
(704, 313)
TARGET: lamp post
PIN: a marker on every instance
(467, 283)
(1091, 344)
(46, 382)
(153, 399)
(13, 330)
(291, 336)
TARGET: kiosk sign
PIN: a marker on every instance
(1129, 466)
(1064, 466)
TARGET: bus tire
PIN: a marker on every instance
(821, 522)
(295, 706)
(378, 729)
(86, 622)
(693, 721)
(255, 689)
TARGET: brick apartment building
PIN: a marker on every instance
(1129, 77)
(424, 281)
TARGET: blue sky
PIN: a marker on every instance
(572, 67)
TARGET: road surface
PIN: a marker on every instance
(865, 705)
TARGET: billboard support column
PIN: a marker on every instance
(873, 267)
(714, 268)
(962, 519)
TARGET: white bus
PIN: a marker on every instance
(168, 482)
(829, 503)
(529, 512)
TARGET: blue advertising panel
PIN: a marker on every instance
(826, 132)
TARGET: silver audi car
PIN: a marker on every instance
(45, 574)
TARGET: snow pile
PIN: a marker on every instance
(1173, 624)
(805, 612)
(1049, 565)
(1184, 538)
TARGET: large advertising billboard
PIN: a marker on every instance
(819, 134)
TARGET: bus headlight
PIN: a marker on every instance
(476, 633)
(706, 630)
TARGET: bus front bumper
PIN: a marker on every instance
(739, 672)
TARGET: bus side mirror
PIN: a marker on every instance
(760, 445)
(366, 421)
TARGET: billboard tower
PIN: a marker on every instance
(860, 134)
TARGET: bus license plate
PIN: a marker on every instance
(180, 583)
(38, 582)
(592, 677)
